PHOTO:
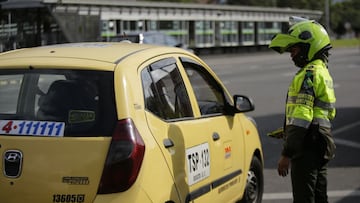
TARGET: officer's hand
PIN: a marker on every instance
(283, 166)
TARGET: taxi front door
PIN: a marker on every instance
(171, 119)
(224, 131)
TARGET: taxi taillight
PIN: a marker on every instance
(124, 158)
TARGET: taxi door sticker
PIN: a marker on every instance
(198, 163)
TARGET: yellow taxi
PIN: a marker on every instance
(122, 122)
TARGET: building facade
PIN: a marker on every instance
(30, 23)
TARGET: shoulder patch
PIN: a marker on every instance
(307, 84)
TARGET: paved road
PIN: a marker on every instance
(265, 77)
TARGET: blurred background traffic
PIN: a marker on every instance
(204, 26)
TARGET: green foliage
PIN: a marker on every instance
(345, 13)
(345, 43)
(342, 13)
(302, 4)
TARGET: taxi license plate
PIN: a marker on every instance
(198, 163)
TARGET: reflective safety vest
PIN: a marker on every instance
(311, 98)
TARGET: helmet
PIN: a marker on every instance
(305, 32)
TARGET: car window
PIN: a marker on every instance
(9, 90)
(159, 38)
(209, 94)
(81, 101)
(164, 90)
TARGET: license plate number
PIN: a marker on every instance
(198, 163)
(37, 128)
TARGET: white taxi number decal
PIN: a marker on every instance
(198, 161)
(40, 128)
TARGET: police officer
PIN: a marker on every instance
(310, 107)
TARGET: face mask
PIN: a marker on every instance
(299, 60)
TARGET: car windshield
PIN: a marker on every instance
(78, 102)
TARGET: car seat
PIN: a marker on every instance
(69, 101)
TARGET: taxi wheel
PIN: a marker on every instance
(255, 183)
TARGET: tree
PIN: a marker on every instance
(346, 12)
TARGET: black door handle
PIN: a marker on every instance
(168, 143)
(215, 136)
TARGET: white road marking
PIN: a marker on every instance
(346, 127)
(346, 142)
(278, 195)
(333, 193)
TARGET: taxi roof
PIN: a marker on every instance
(86, 55)
(110, 52)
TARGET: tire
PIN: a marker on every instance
(255, 183)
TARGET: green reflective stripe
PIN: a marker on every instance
(322, 122)
(298, 122)
(324, 105)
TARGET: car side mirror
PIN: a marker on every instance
(243, 103)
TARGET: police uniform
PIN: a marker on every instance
(310, 107)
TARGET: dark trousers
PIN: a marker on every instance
(309, 180)
(309, 172)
